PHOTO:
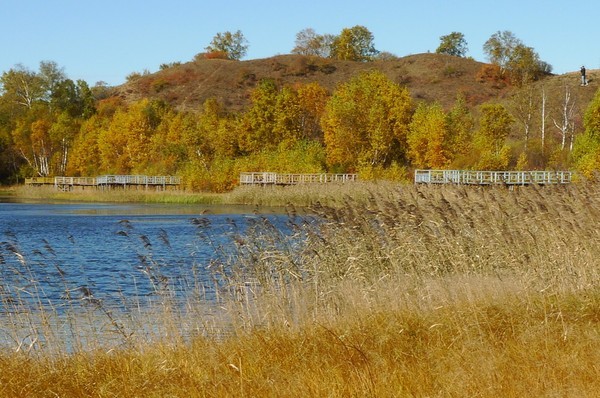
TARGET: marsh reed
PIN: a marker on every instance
(405, 292)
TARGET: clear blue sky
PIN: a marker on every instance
(105, 40)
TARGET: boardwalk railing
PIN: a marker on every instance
(105, 181)
(75, 181)
(39, 181)
(137, 180)
(267, 178)
(473, 177)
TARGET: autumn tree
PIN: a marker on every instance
(233, 45)
(312, 99)
(365, 122)
(428, 138)
(125, 145)
(257, 126)
(586, 149)
(172, 143)
(490, 139)
(62, 134)
(354, 44)
(85, 156)
(460, 124)
(453, 44)
(32, 141)
(217, 134)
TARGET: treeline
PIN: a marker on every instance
(50, 125)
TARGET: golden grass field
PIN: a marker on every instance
(400, 291)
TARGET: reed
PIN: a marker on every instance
(302, 195)
(406, 291)
(47, 193)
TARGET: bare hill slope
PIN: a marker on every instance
(429, 77)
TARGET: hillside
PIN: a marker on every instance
(429, 77)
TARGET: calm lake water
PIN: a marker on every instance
(114, 253)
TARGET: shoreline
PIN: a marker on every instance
(305, 195)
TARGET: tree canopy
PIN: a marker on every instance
(366, 121)
(354, 44)
(233, 45)
(453, 44)
(521, 62)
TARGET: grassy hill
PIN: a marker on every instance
(429, 77)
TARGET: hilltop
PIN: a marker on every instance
(429, 77)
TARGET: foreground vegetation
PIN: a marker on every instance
(410, 291)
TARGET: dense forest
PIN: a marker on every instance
(364, 112)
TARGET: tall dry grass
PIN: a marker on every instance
(409, 292)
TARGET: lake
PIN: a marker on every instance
(121, 256)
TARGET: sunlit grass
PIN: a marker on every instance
(115, 196)
(300, 195)
(405, 291)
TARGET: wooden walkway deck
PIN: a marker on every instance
(106, 181)
(267, 178)
(473, 177)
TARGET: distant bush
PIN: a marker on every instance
(169, 65)
(213, 55)
(159, 85)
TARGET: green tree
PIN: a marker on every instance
(365, 122)
(51, 76)
(354, 44)
(74, 98)
(22, 87)
(511, 55)
(453, 44)
(233, 45)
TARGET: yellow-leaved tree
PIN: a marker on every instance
(428, 138)
(365, 123)
(490, 140)
(586, 150)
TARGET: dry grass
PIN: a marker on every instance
(49, 193)
(408, 292)
(429, 77)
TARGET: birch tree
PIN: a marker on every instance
(566, 124)
(523, 109)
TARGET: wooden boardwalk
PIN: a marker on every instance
(511, 178)
(267, 178)
(107, 182)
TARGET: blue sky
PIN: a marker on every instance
(107, 40)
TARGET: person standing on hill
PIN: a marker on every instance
(583, 78)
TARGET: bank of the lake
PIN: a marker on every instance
(298, 195)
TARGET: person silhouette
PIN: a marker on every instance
(583, 77)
